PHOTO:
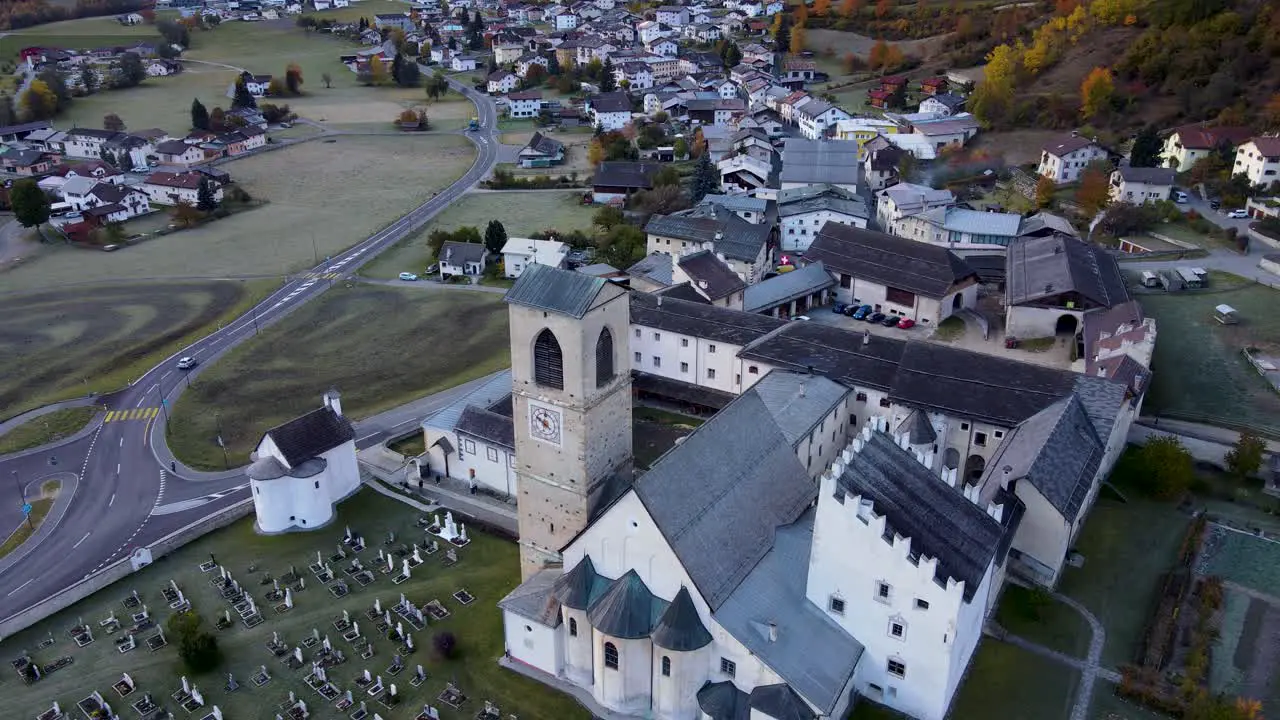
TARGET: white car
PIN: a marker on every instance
(408, 276)
(186, 363)
(1238, 214)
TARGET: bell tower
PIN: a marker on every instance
(571, 400)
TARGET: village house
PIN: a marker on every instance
(520, 253)
(1064, 159)
(1136, 186)
(1190, 143)
(962, 230)
(86, 142)
(501, 82)
(904, 200)
(25, 162)
(745, 246)
(179, 152)
(810, 162)
(616, 180)
(880, 160)
(944, 104)
(462, 259)
(816, 116)
(610, 111)
(398, 21)
(169, 188)
(541, 151)
(1053, 282)
(804, 211)
(1259, 160)
(525, 104)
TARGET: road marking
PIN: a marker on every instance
(366, 437)
(121, 442)
(117, 468)
(406, 422)
(86, 537)
(112, 501)
(20, 587)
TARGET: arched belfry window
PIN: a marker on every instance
(610, 656)
(548, 361)
(604, 358)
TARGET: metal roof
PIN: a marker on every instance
(563, 291)
(812, 198)
(975, 222)
(771, 293)
(656, 266)
(716, 324)
(627, 610)
(921, 268)
(484, 396)
(1042, 267)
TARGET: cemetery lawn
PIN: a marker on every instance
(99, 338)
(379, 346)
(46, 429)
(488, 568)
(323, 196)
(39, 510)
(520, 212)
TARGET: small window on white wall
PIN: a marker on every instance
(610, 656)
(573, 627)
(666, 666)
(836, 605)
(469, 445)
(728, 667)
(883, 592)
(897, 629)
(492, 453)
(897, 668)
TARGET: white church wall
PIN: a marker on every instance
(267, 448)
(675, 695)
(491, 466)
(579, 661)
(289, 502)
(532, 643)
(928, 631)
(341, 476)
(968, 632)
(1042, 535)
(272, 504)
(625, 688)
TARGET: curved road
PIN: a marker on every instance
(122, 478)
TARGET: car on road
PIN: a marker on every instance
(890, 321)
(875, 317)
(1238, 214)
(408, 276)
(186, 363)
(801, 317)
(906, 323)
(861, 313)
(1181, 197)
(1215, 204)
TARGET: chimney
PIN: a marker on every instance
(333, 401)
(773, 631)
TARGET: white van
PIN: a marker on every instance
(1181, 197)
(1149, 279)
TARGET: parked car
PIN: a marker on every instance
(1181, 197)
(839, 308)
(186, 363)
(1215, 204)
(1238, 214)
(875, 317)
(890, 321)
(408, 276)
(801, 317)
(432, 269)
(862, 312)
(906, 323)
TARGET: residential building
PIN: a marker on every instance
(616, 180)
(473, 440)
(462, 62)
(896, 276)
(462, 259)
(962, 230)
(116, 203)
(943, 104)
(1188, 144)
(179, 152)
(664, 46)
(811, 162)
(804, 211)
(675, 16)
(86, 142)
(903, 200)
(1054, 282)
(524, 104)
(743, 245)
(1259, 160)
(1063, 159)
(610, 111)
(816, 117)
(880, 161)
(399, 21)
(25, 162)
(169, 188)
(501, 82)
(1139, 185)
(520, 253)
(541, 151)
(711, 277)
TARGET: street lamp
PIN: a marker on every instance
(23, 494)
(217, 419)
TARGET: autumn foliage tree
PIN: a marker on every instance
(850, 8)
(882, 8)
(1094, 190)
(293, 78)
(822, 8)
(1096, 92)
(797, 40)
(1045, 188)
(38, 101)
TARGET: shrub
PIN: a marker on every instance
(197, 648)
(446, 644)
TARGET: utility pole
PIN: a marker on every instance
(23, 494)
(164, 403)
(217, 419)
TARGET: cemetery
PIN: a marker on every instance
(385, 613)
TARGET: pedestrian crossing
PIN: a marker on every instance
(322, 276)
(135, 414)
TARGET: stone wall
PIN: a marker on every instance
(121, 569)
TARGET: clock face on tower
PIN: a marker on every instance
(544, 424)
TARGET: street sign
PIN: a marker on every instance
(165, 401)
(26, 508)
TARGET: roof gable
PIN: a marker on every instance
(552, 289)
(310, 435)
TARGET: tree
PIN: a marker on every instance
(276, 88)
(174, 32)
(38, 101)
(446, 644)
(242, 98)
(29, 203)
(112, 122)
(699, 147)
(327, 80)
(821, 8)
(1244, 459)
(186, 214)
(1096, 92)
(130, 69)
(1272, 111)
(89, 79)
(667, 176)
(205, 201)
(882, 8)
(850, 8)
(680, 148)
(495, 236)
(797, 39)
(1146, 148)
(217, 120)
(293, 78)
(622, 245)
(437, 86)
(907, 167)
(1094, 190)
(781, 33)
(706, 179)
(197, 647)
(535, 75)
(58, 85)
(607, 217)
(607, 81)
(1164, 467)
(553, 65)
(1045, 187)
(801, 15)
(377, 71)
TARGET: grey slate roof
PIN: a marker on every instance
(657, 267)
(680, 629)
(797, 402)
(544, 145)
(627, 610)
(750, 482)
(494, 428)
(581, 586)
(921, 268)
(610, 102)
(306, 436)
(918, 428)
(723, 701)
(1043, 267)
(1057, 451)
(1149, 175)
(941, 522)
(461, 253)
(622, 173)
(731, 236)
(682, 291)
(717, 324)
(535, 599)
(484, 396)
(812, 198)
(781, 702)
(835, 352)
(712, 277)
(563, 291)
(820, 161)
(812, 654)
(736, 203)
(768, 294)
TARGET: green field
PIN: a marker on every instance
(379, 346)
(487, 569)
(101, 338)
(1199, 373)
(1010, 683)
(521, 213)
(46, 429)
(323, 197)
(40, 508)
(1054, 625)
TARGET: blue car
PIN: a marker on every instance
(838, 308)
(862, 312)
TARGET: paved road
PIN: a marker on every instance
(123, 469)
